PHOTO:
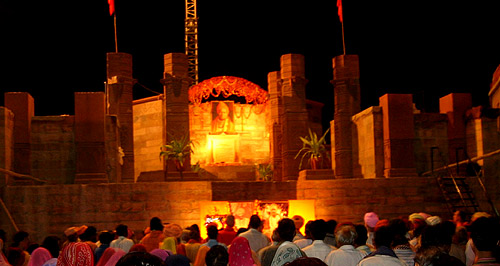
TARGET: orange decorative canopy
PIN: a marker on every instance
(227, 86)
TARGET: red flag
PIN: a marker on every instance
(339, 6)
(112, 7)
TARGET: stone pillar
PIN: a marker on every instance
(176, 83)
(90, 140)
(276, 136)
(22, 105)
(6, 142)
(347, 104)
(119, 104)
(455, 105)
(399, 134)
(294, 117)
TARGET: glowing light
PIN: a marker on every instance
(226, 86)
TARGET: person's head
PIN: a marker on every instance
(217, 256)
(345, 234)
(177, 260)
(212, 231)
(90, 234)
(383, 236)
(331, 225)
(275, 237)
(362, 235)
(286, 229)
(439, 235)
(105, 237)
(307, 230)
(121, 230)
(306, 261)
(222, 110)
(140, 258)
(230, 220)
(15, 256)
(459, 216)
(433, 256)
(371, 220)
(485, 233)
(52, 244)
(155, 224)
(241, 230)
(299, 221)
(318, 229)
(400, 228)
(255, 222)
(21, 240)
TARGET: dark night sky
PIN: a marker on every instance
(54, 48)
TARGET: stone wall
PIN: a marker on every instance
(430, 132)
(368, 147)
(349, 199)
(148, 136)
(6, 147)
(45, 210)
(53, 152)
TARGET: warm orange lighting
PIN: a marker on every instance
(211, 211)
(226, 86)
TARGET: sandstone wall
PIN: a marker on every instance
(45, 210)
(368, 150)
(349, 199)
(430, 131)
(148, 136)
(53, 152)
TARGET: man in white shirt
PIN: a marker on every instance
(318, 248)
(346, 254)
(256, 239)
(122, 242)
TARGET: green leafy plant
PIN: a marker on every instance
(177, 151)
(265, 172)
(314, 149)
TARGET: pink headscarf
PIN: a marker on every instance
(119, 253)
(39, 256)
(240, 253)
(106, 255)
(76, 254)
(160, 253)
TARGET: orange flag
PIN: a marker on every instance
(112, 7)
(339, 6)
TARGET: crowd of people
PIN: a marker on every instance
(417, 240)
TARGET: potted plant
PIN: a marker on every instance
(265, 172)
(314, 149)
(177, 151)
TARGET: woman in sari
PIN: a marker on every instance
(240, 253)
(76, 254)
(287, 252)
(39, 256)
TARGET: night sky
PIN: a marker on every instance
(53, 48)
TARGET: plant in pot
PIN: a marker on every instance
(314, 149)
(177, 151)
(264, 172)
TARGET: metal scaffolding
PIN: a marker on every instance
(191, 39)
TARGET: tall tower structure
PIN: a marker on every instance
(191, 39)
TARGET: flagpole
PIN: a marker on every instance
(343, 39)
(341, 18)
(116, 39)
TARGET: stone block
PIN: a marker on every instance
(119, 64)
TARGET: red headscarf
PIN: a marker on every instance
(76, 254)
(138, 247)
(240, 253)
(105, 256)
(39, 256)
